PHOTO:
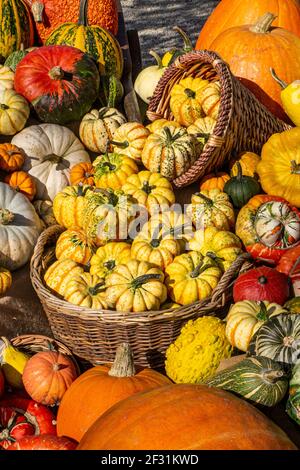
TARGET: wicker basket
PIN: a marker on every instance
(37, 343)
(95, 335)
(243, 123)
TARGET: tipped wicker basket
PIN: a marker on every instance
(243, 123)
(95, 335)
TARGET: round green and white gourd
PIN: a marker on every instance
(245, 318)
(20, 227)
(278, 339)
(258, 379)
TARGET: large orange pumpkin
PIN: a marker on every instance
(231, 13)
(48, 14)
(184, 417)
(47, 375)
(252, 50)
(101, 387)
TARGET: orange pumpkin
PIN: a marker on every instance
(101, 387)
(251, 50)
(214, 181)
(11, 157)
(184, 417)
(47, 375)
(22, 182)
(82, 173)
(229, 13)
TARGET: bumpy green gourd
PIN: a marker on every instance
(198, 350)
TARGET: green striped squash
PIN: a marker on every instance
(16, 26)
(293, 403)
(93, 40)
(278, 339)
(257, 379)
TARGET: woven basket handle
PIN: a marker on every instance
(229, 276)
(51, 233)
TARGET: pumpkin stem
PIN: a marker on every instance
(57, 367)
(83, 19)
(205, 198)
(57, 73)
(190, 93)
(140, 280)
(188, 46)
(52, 157)
(273, 376)
(37, 9)
(295, 168)
(277, 79)
(4, 106)
(6, 217)
(147, 188)
(157, 58)
(239, 171)
(110, 265)
(263, 313)
(123, 365)
(121, 145)
(97, 288)
(262, 280)
(109, 165)
(263, 24)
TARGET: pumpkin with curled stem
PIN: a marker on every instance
(109, 256)
(151, 190)
(135, 287)
(170, 151)
(192, 277)
(86, 290)
(211, 208)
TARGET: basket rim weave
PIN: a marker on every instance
(216, 300)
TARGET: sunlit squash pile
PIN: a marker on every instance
(70, 157)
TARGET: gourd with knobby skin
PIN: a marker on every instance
(5, 280)
(192, 277)
(14, 112)
(155, 245)
(258, 379)
(135, 287)
(211, 208)
(69, 205)
(151, 190)
(15, 57)
(279, 168)
(86, 290)
(99, 388)
(11, 158)
(246, 317)
(59, 273)
(146, 81)
(278, 339)
(74, 244)
(95, 41)
(50, 151)
(170, 151)
(98, 127)
(22, 182)
(112, 170)
(129, 139)
(241, 188)
(185, 102)
(109, 256)
(20, 227)
(170, 56)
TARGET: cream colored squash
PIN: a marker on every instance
(14, 112)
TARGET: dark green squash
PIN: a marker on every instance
(257, 379)
(278, 339)
(293, 305)
(241, 188)
(293, 403)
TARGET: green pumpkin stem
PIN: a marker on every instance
(263, 24)
(6, 217)
(52, 158)
(123, 365)
(147, 188)
(110, 265)
(83, 17)
(157, 58)
(278, 80)
(188, 46)
(97, 288)
(37, 9)
(273, 376)
(4, 106)
(57, 73)
(295, 167)
(140, 280)
(263, 313)
(121, 145)
(239, 171)
(205, 198)
(190, 93)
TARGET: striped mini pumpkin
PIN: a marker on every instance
(74, 244)
(93, 40)
(16, 26)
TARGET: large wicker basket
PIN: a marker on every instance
(95, 335)
(243, 123)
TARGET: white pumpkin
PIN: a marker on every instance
(20, 227)
(14, 112)
(97, 128)
(7, 78)
(51, 150)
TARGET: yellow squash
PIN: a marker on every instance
(109, 256)
(86, 290)
(136, 287)
(112, 170)
(159, 123)
(279, 169)
(192, 277)
(59, 273)
(290, 98)
(5, 280)
(75, 245)
(211, 208)
(185, 102)
(248, 162)
(129, 139)
(69, 205)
